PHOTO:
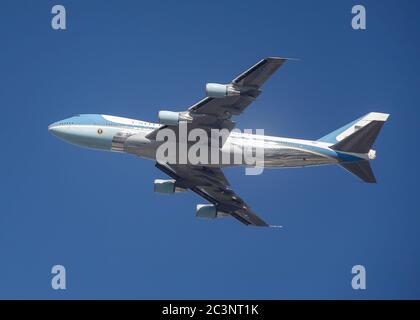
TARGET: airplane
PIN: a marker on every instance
(349, 146)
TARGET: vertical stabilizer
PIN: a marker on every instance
(359, 135)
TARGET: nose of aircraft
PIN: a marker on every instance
(64, 129)
(83, 131)
(52, 128)
(58, 129)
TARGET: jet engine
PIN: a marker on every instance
(171, 118)
(167, 187)
(209, 211)
(216, 90)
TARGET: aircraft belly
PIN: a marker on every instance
(291, 157)
(274, 155)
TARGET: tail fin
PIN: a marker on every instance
(359, 135)
(362, 169)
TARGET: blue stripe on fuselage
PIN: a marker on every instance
(342, 157)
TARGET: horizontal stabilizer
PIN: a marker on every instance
(362, 169)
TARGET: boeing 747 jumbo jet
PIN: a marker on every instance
(350, 146)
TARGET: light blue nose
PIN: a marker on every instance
(59, 130)
(84, 135)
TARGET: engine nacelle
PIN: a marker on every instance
(171, 118)
(166, 186)
(216, 90)
(209, 211)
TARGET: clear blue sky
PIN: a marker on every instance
(96, 212)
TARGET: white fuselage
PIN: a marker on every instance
(128, 135)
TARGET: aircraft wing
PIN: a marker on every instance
(211, 184)
(216, 113)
